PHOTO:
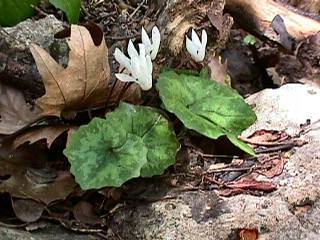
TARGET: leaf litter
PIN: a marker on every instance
(61, 98)
(85, 83)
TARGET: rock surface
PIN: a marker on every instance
(52, 232)
(17, 67)
(291, 212)
(39, 32)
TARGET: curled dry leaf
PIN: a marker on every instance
(84, 213)
(14, 111)
(218, 71)
(85, 83)
(27, 210)
(50, 133)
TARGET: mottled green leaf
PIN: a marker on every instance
(15, 11)
(132, 141)
(70, 7)
(206, 106)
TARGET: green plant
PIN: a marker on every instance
(249, 40)
(15, 11)
(206, 106)
(130, 142)
(70, 7)
(138, 141)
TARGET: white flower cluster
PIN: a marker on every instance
(139, 65)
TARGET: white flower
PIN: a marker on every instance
(196, 48)
(139, 65)
(152, 48)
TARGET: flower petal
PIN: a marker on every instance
(125, 77)
(201, 54)
(146, 41)
(122, 59)
(195, 39)
(202, 50)
(132, 50)
(142, 50)
(204, 38)
(149, 64)
(156, 38)
(191, 48)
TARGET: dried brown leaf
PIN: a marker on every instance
(248, 234)
(50, 133)
(23, 180)
(14, 111)
(27, 210)
(84, 213)
(218, 70)
(83, 84)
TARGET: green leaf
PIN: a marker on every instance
(249, 40)
(15, 11)
(70, 7)
(132, 141)
(206, 106)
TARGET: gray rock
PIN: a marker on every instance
(291, 212)
(51, 232)
(19, 69)
(39, 32)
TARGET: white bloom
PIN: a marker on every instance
(196, 48)
(152, 48)
(139, 65)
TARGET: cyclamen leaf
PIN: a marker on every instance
(206, 106)
(70, 7)
(132, 141)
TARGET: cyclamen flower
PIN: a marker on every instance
(196, 48)
(139, 65)
(152, 48)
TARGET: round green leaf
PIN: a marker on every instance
(156, 133)
(132, 141)
(205, 106)
(103, 154)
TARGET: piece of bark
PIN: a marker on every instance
(257, 16)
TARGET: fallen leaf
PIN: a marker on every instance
(26, 176)
(264, 136)
(50, 133)
(85, 83)
(252, 184)
(84, 213)
(14, 111)
(248, 234)
(27, 210)
(277, 166)
(218, 71)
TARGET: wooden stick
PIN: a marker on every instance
(258, 14)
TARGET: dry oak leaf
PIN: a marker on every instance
(80, 86)
(15, 113)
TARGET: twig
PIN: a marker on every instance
(254, 142)
(122, 37)
(137, 8)
(276, 148)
